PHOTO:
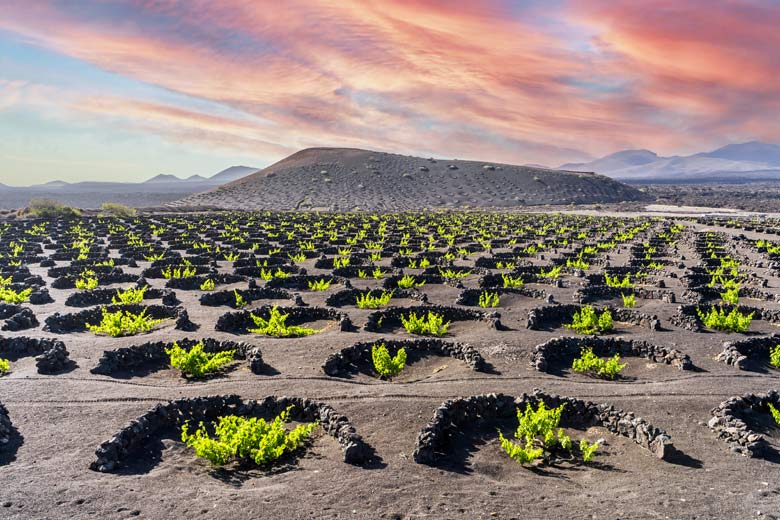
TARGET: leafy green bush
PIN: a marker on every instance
(275, 326)
(241, 438)
(185, 271)
(240, 302)
(154, 257)
(541, 437)
(578, 263)
(86, 283)
(129, 296)
(123, 323)
(488, 299)
(512, 282)
(538, 432)
(408, 281)
(615, 281)
(451, 274)
(431, 325)
(366, 301)
(774, 356)
(775, 412)
(629, 300)
(207, 285)
(731, 295)
(196, 362)
(231, 256)
(114, 209)
(9, 295)
(49, 208)
(589, 362)
(554, 272)
(320, 285)
(587, 322)
(717, 319)
(339, 262)
(588, 450)
(268, 274)
(5, 366)
(386, 365)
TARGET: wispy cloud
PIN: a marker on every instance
(484, 79)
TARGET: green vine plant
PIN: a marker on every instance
(247, 439)
(123, 323)
(717, 319)
(774, 356)
(196, 362)
(366, 301)
(9, 295)
(5, 366)
(541, 438)
(430, 325)
(629, 300)
(185, 271)
(407, 281)
(488, 299)
(731, 295)
(86, 283)
(341, 262)
(451, 274)
(511, 282)
(239, 302)
(616, 281)
(578, 263)
(586, 321)
(207, 285)
(552, 273)
(775, 413)
(320, 285)
(129, 296)
(231, 256)
(605, 368)
(275, 326)
(386, 365)
(267, 274)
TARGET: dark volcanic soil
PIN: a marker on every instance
(63, 418)
(753, 196)
(343, 179)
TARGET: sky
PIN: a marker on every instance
(127, 89)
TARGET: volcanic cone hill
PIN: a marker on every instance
(339, 179)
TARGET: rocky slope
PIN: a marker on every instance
(349, 179)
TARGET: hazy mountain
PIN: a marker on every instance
(56, 184)
(348, 179)
(91, 194)
(753, 151)
(745, 162)
(233, 174)
(163, 177)
(615, 161)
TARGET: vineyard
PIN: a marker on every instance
(413, 365)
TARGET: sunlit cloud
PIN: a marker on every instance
(482, 80)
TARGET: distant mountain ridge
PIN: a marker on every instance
(742, 162)
(90, 194)
(227, 175)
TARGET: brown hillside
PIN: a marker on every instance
(342, 179)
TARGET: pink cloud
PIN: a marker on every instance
(428, 76)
